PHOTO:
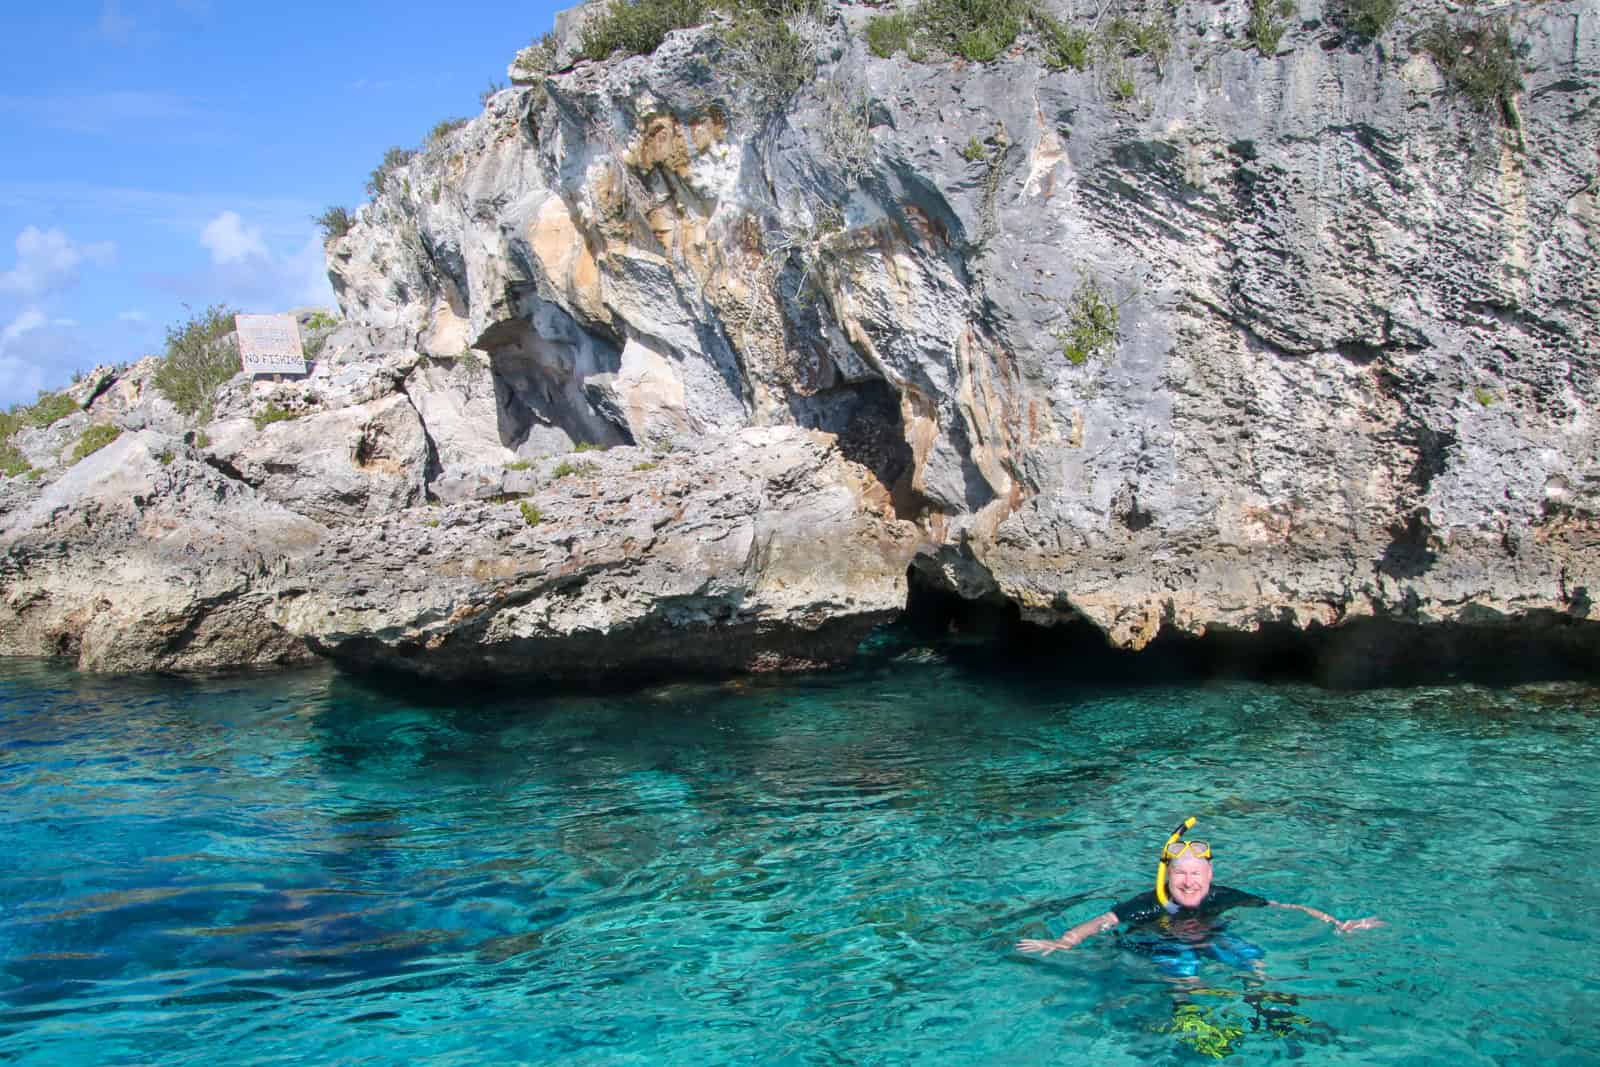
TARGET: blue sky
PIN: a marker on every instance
(172, 152)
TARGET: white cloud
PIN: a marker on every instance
(48, 260)
(132, 316)
(30, 319)
(230, 240)
(28, 346)
(247, 272)
(280, 219)
(20, 381)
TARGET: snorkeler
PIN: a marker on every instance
(1182, 900)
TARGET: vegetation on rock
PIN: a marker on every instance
(566, 467)
(536, 59)
(335, 223)
(530, 514)
(847, 128)
(94, 439)
(1478, 60)
(200, 357)
(273, 413)
(1369, 18)
(1091, 324)
(888, 34)
(983, 30)
(12, 462)
(49, 408)
(395, 158)
(1066, 47)
(1267, 22)
(445, 128)
(772, 52)
(637, 27)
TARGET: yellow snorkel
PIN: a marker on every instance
(1161, 868)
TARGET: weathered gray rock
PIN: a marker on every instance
(142, 557)
(1352, 373)
(353, 462)
(765, 549)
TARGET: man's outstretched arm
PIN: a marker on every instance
(1072, 937)
(1344, 926)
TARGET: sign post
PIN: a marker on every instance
(270, 344)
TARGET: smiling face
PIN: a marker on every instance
(1189, 879)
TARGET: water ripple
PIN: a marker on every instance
(293, 868)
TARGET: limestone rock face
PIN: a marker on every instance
(139, 558)
(1297, 339)
(761, 550)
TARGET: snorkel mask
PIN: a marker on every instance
(1169, 853)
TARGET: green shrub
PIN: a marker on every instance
(518, 465)
(445, 128)
(166, 457)
(1121, 86)
(1091, 325)
(273, 413)
(199, 358)
(12, 462)
(847, 128)
(489, 91)
(565, 468)
(888, 34)
(978, 30)
(646, 465)
(770, 54)
(321, 320)
(335, 223)
(1482, 395)
(530, 514)
(1152, 38)
(1266, 25)
(395, 158)
(637, 27)
(536, 59)
(590, 446)
(1478, 59)
(94, 439)
(202, 440)
(1066, 48)
(1370, 18)
(49, 408)
(974, 152)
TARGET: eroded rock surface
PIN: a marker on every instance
(1352, 372)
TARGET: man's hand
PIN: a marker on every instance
(1358, 924)
(1044, 948)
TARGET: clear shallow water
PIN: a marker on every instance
(297, 869)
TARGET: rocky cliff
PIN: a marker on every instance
(653, 364)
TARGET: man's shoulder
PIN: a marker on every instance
(1137, 909)
(1223, 896)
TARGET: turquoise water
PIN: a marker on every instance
(298, 869)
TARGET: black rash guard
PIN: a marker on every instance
(1144, 907)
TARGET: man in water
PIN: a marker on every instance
(1188, 917)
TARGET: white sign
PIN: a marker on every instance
(270, 344)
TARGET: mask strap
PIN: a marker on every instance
(1161, 868)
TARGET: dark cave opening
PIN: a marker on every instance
(992, 637)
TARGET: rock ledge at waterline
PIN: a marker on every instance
(1353, 372)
